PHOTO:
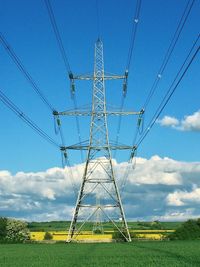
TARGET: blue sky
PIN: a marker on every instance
(26, 26)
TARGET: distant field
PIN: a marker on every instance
(107, 236)
(64, 225)
(165, 254)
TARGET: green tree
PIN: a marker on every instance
(17, 231)
(3, 231)
(188, 230)
(198, 222)
(48, 236)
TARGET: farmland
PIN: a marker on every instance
(64, 225)
(107, 236)
(138, 230)
(177, 253)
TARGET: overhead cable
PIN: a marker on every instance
(133, 34)
(57, 35)
(161, 70)
(119, 126)
(170, 50)
(130, 53)
(26, 119)
(66, 62)
(27, 75)
(64, 154)
(178, 78)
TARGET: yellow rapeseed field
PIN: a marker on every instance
(88, 235)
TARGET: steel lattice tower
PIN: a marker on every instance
(98, 180)
(98, 177)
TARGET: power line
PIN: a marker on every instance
(27, 75)
(132, 158)
(57, 35)
(133, 34)
(161, 70)
(161, 107)
(5, 100)
(171, 90)
(65, 60)
(168, 53)
(119, 126)
(130, 54)
(170, 50)
(26, 119)
(78, 126)
(64, 155)
(66, 162)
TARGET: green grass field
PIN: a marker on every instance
(169, 254)
(64, 225)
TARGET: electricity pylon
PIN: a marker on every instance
(98, 178)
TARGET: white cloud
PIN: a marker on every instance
(173, 199)
(180, 198)
(179, 215)
(189, 123)
(152, 189)
(49, 193)
(153, 171)
(168, 121)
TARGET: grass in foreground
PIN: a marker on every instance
(177, 253)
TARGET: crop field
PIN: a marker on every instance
(107, 235)
(163, 253)
(64, 225)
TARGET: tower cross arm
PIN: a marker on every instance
(97, 148)
(93, 77)
(91, 113)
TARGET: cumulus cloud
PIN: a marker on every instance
(191, 122)
(188, 123)
(168, 121)
(181, 198)
(160, 188)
